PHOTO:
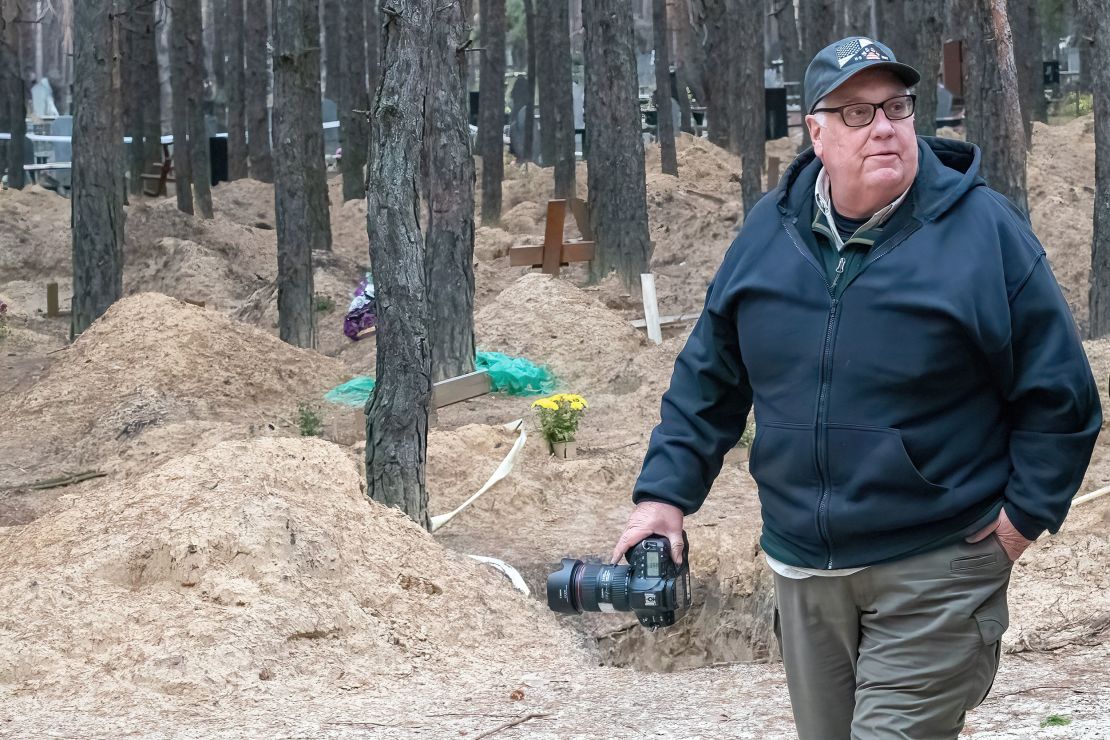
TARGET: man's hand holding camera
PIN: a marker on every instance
(648, 518)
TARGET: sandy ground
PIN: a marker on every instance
(226, 577)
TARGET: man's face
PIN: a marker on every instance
(868, 166)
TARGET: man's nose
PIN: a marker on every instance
(881, 127)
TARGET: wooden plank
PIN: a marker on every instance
(772, 172)
(52, 300)
(191, 302)
(668, 320)
(532, 256)
(454, 390)
(528, 256)
(553, 236)
(651, 308)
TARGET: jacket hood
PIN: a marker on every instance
(947, 170)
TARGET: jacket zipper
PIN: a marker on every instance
(820, 434)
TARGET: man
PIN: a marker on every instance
(925, 408)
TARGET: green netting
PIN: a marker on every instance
(515, 375)
(352, 393)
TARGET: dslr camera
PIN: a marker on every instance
(652, 585)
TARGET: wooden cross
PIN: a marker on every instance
(555, 252)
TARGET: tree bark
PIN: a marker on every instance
(179, 73)
(98, 216)
(139, 82)
(300, 190)
(664, 123)
(235, 75)
(491, 108)
(752, 116)
(220, 39)
(711, 26)
(530, 71)
(199, 162)
(1026, 18)
(449, 242)
(853, 18)
(373, 46)
(256, 38)
(353, 127)
(993, 118)
(397, 416)
(562, 101)
(794, 66)
(333, 47)
(616, 178)
(1098, 12)
(13, 91)
(817, 27)
(545, 82)
(915, 32)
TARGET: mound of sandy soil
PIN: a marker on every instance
(34, 234)
(254, 561)
(1061, 182)
(153, 362)
(551, 322)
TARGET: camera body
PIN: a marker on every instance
(652, 585)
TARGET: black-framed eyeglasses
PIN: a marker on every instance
(862, 114)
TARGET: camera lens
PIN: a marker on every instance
(579, 587)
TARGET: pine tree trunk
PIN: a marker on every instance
(991, 95)
(300, 190)
(752, 116)
(449, 242)
(98, 216)
(562, 100)
(235, 75)
(714, 29)
(199, 162)
(256, 38)
(664, 123)
(530, 108)
(148, 83)
(220, 39)
(545, 80)
(353, 127)
(132, 102)
(491, 108)
(817, 29)
(1025, 20)
(616, 178)
(373, 46)
(914, 31)
(1098, 13)
(333, 47)
(179, 73)
(397, 417)
(13, 92)
(853, 18)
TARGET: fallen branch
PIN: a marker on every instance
(513, 723)
(66, 480)
(716, 199)
(995, 697)
(1090, 496)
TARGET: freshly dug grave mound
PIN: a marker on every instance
(255, 565)
(548, 509)
(152, 361)
(34, 234)
(550, 321)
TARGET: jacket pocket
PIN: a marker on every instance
(782, 463)
(874, 482)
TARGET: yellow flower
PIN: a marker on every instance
(545, 403)
(577, 405)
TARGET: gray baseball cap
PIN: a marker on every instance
(842, 59)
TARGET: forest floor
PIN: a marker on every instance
(227, 577)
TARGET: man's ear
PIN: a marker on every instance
(815, 132)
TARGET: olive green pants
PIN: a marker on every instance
(899, 650)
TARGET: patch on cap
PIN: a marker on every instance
(859, 50)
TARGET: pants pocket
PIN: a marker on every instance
(992, 619)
